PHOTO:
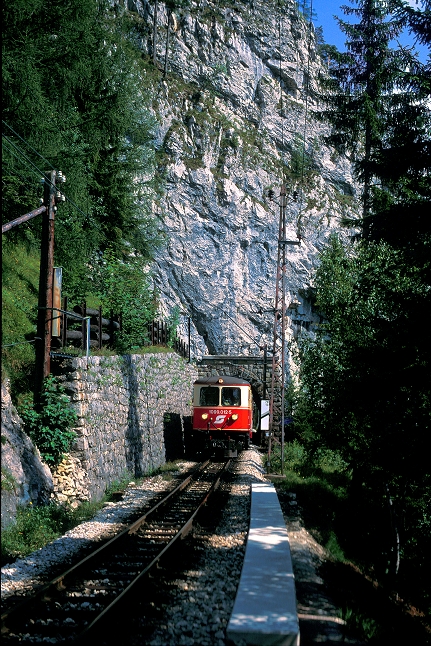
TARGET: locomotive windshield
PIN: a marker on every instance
(230, 397)
(209, 396)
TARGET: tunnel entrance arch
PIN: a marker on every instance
(253, 369)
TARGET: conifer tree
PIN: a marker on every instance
(402, 163)
(73, 93)
(361, 84)
(365, 390)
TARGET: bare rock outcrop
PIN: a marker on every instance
(25, 478)
(236, 117)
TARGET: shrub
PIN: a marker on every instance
(126, 288)
(49, 426)
(34, 528)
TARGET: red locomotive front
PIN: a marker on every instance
(222, 412)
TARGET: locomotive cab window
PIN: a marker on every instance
(230, 397)
(209, 396)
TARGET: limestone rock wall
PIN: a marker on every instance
(236, 120)
(24, 477)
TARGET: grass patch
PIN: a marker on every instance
(168, 471)
(20, 285)
(321, 483)
(322, 502)
(35, 527)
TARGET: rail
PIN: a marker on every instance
(89, 591)
(87, 327)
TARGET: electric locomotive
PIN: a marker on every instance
(222, 414)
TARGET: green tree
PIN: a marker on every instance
(74, 99)
(402, 163)
(361, 84)
(365, 394)
(125, 288)
(365, 391)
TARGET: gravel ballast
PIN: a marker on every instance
(195, 607)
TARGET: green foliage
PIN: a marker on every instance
(74, 96)
(8, 482)
(366, 397)
(322, 493)
(364, 626)
(119, 485)
(49, 426)
(34, 527)
(365, 353)
(377, 103)
(172, 324)
(20, 279)
(125, 288)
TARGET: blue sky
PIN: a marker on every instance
(326, 9)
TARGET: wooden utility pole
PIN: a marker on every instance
(46, 278)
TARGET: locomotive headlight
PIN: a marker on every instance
(234, 417)
(205, 416)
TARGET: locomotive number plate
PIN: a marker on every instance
(223, 411)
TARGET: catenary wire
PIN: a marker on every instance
(10, 345)
(42, 174)
(301, 199)
(27, 144)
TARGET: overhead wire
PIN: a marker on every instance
(27, 144)
(299, 232)
(279, 329)
(15, 171)
(41, 173)
(10, 345)
(46, 178)
(28, 161)
(283, 170)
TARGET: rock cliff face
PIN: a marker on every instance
(236, 121)
(24, 477)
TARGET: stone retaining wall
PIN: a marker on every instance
(70, 482)
(131, 409)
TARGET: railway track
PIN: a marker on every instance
(75, 605)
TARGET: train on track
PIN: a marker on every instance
(223, 415)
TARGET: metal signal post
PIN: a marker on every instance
(277, 393)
